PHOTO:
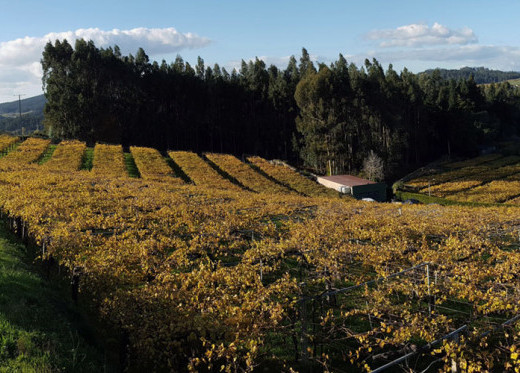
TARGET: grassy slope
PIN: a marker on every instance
(515, 82)
(37, 331)
(131, 167)
(424, 198)
(88, 158)
(402, 194)
(46, 156)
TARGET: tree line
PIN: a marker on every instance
(28, 123)
(325, 117)
(481, 75)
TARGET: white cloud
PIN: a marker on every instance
(438, 46)
(418, 35)
(153, 40)
(504, 58)
(19, 58)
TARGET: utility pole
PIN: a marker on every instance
(20, 110)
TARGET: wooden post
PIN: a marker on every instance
(331, 299)
(453, 366)
(303, 337)
(429, 290)
(123, 350)
(74, 283)
(15, 226)
(435, 274)
(369, 317)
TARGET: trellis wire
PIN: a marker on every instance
(354, 287)
(454, 334)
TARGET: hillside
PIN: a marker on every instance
(202, 262)
(32, 116)
(39, 332)
(32, 104)
(491, 178)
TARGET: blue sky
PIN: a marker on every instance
(416, 34)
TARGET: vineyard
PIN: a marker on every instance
(209, 263)
(489, 178)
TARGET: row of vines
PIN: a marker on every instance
(198, 276)
(490, 178)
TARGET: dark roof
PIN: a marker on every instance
(347, 180)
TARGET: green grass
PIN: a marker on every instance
(131, 167)
(515, 82)
(38, 330)
(47, 154)
(424, 198)
(87, 159)
(9, 149)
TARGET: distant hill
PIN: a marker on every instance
(481, 75)
(34, 104)
(32, 115)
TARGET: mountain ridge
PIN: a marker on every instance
(30, 104)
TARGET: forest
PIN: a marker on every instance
(28, 123)
(326, 117)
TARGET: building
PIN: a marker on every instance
(355, 186)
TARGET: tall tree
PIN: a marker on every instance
(319, 121)
(333, 116)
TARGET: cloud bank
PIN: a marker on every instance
(418, 44)
(419, 35)
(496, 57)
(20, 69)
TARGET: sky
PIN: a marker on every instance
(416, 34)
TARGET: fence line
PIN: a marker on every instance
(453, 334)
(354, 287)
(430, 281)
(504, 324)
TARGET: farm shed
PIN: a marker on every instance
(357, 187)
